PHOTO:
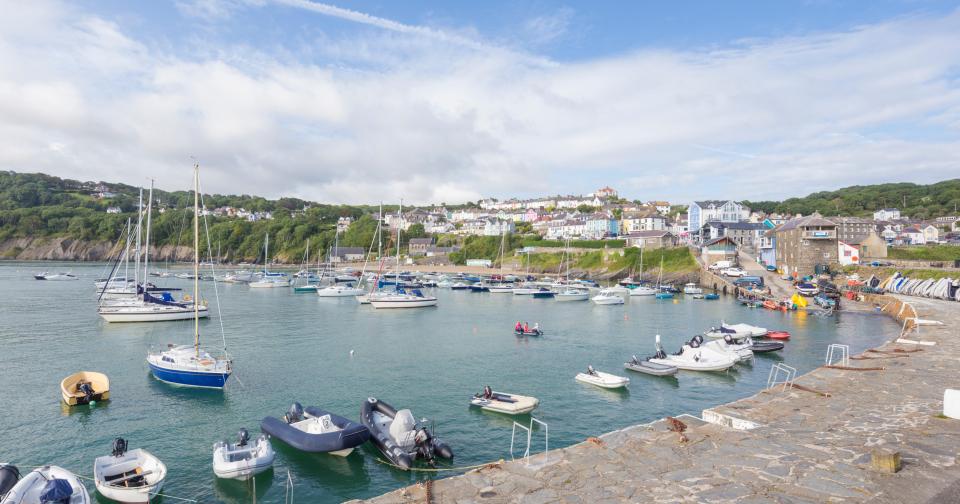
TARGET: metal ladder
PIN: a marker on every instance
(529, 430)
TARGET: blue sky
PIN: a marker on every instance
(358, 101)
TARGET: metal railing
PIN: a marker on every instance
(783, 375)
(529, 430)
(837, 353)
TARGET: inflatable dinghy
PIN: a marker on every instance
(766, 346)
(44, 484)
(242, 460)
(601, 379)
(650, 368)
(501, 402)
(315, 430)
(399, 437)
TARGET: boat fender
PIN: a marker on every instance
(242, 437)
(9, 475)
(119, 447)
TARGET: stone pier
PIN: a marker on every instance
(811, 444)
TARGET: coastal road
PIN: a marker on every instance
(781, 288)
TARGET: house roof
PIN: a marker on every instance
(421, 241)
(646, 234)
(810, 220)
(747, 226)
(706, 203)
(718, 240)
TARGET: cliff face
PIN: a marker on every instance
(66, 249)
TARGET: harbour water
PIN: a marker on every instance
(297, 347)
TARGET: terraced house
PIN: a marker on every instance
(804, 243)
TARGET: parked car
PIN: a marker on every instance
(733, 272)
(720, 265)
(748, 280)
(771, 267)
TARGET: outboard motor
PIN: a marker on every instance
(295, 413)
(86, 389)
(242, 437)
(694, 343)
(590, 370)
(119, 447)
(9, 476)
(699, 338)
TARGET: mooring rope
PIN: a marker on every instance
(440, 469)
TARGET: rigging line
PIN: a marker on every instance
(216, 291)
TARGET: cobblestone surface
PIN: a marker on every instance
(808, 448)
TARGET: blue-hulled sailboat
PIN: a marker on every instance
(190, 365)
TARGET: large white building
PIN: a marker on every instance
(702, 212)
(887, 214)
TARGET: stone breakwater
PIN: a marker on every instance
(808, 444)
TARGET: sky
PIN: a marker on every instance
(367, 101)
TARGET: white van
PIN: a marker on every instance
(720, 265)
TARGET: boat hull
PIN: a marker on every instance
(604, 380)
(189, 378)
(340, 443)
(99, 381)
(389, 304)
(116, 315)
(650, 368)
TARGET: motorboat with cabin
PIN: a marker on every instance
(608, 296)
(315, 430)
(399, 437)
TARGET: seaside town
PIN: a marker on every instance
(299, 252)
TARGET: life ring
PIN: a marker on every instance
(186, 297)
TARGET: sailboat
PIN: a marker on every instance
(640, 289)
(662, 294)
(269, 280)
(148, 304)
(305, 274)
(191, 365)
(502, 287)
(338, 289)
(568, 291)
(401, 298)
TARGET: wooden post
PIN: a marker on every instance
(885, 461)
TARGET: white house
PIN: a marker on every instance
(931, 234)
(701, 212)
(887, 214)
(497, 227)
(913, 236)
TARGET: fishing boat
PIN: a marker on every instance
(317, 431)
(242, 460)
(85, 387)
(399, 437)
(601, 379)
(607, 297)
(55, 277)
(502, 402)
(47, 484)
(691, 288)
(651, 368)
(129, 476)
(694, 358)
(191, 365)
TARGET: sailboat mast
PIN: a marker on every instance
(126, 258)
(196, 258)
(266, 252)
(380, 233)
(136, 267)
(399, 229)
(146, 248)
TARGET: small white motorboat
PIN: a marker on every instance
(129, 476)
(242, 460)
(501, 402)
(55, 277)
(45, 484)
(643, 290)
(691, 288)
(573, 294)
(340, 290)
(601, 379)
(85, 387)
(694, 358)
(608, 296)
(727, 346)
(650, 368)
(617, 289)
(745, 329)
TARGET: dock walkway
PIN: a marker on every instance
(789, 446)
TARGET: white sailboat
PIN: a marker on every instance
(268, 279)
(400, 298)
(642, 290)
(185, 364)
(501, 287)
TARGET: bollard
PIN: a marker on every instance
(951, 403)
(885, 461)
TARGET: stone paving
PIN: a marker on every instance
(805, 448)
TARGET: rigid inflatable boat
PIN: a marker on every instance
(316, 430)
(650, 368)
(398, 436)
(766, 346)
(44, 484)
(242, 460)
(501, 402)
(601, 379)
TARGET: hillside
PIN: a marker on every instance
(913, 200)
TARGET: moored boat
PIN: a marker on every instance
(242, 460)
(650, 368)
(502, 402)
(399, 437)
(129, 476)
(46, 484)
(317, 431)
(693, 358)
(601, 379)
(608, 296)
(84, 387)
(691, 288)
(778, 335)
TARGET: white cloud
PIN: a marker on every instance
(431, 115)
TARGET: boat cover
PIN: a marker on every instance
(56, 491)
(351, 434)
